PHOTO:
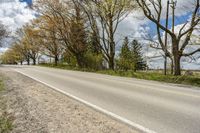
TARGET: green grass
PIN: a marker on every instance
(156, 76)
(6, 121)
(6, 124)
(1, 85)
(193, 80)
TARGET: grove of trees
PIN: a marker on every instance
(130, 57)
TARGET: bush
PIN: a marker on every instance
(93, 61)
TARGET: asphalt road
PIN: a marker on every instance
(160, 107)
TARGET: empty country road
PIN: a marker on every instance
(159, 107)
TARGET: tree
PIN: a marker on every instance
(17, 54)
(104, 17)
(153, 10)
(93, 41)
(12, 55)
(22, 48)
(27, 43)
(3, 33)
(31, 42)
(78, 36)
(9, 57)
(69, 21)
(137, 60)
(125, 57)
(50, 44)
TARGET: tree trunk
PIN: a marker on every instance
(112, 44)
(135, 68)
(177, 65)
(56, 60)
(176, 56)
(111, 63)
(34, 61)
(172, 67)
(28, 61)
(80, 60)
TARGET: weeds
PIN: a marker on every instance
(6, 121)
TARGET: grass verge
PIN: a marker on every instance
(1, 85)
(193, 80)
(6, 121)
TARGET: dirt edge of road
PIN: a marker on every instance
(35, 108)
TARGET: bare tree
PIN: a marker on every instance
(153, 10)
(3, 33)
(104, 17)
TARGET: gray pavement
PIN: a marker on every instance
(160, 107)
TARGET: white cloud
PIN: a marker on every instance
(15, 14)
(192, 62)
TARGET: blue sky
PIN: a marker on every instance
(178, 20)
(27, 1)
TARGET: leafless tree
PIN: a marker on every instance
(153, 10)
(104, 17)
(3, 32)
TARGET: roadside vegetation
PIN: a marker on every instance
(188, 78)
(6, 121)
(6, 125)
(81, 35)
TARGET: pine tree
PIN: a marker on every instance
(137, 59)
(124, 62)
(94, 44)
(78, 37)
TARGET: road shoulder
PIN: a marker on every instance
(37, 108)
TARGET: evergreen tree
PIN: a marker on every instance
(94, 43)
(137, 59)
(93, 56)
(78, 37)
(125, 62)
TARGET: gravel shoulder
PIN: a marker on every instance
(36, 108)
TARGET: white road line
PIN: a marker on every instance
(126, 121)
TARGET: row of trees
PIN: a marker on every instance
(83, 33)
(79, 32)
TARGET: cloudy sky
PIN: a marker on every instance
(15, 14)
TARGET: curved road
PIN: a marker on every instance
(159, 107)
